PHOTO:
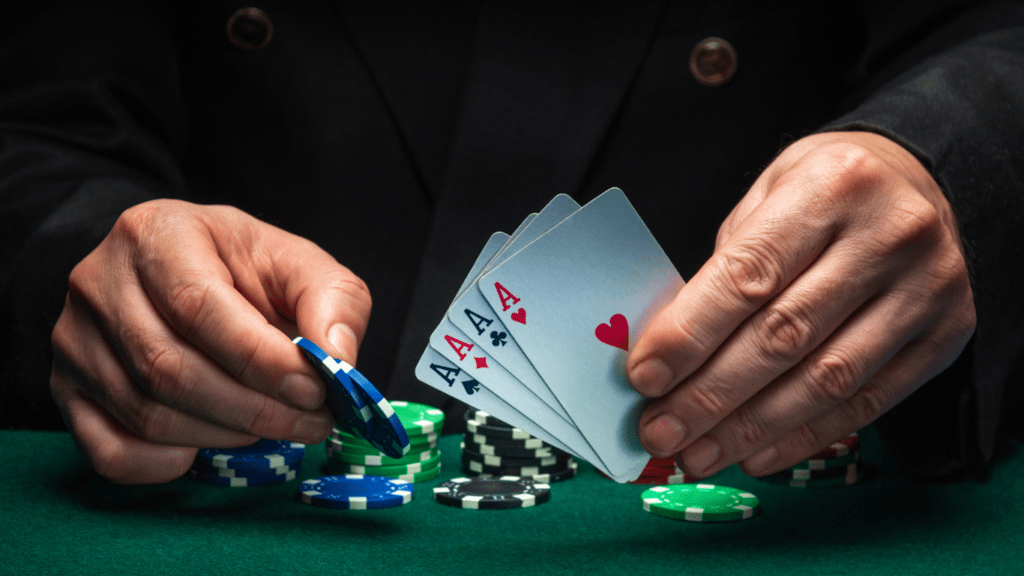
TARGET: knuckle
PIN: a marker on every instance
(916, 221)
(785, 332)
(851, 168)
(713, 406)
(111, 460)
(190, 304)
(834, 376)
(748, 431)
(750, 270)
(153, 421)
(865, 406)
(264, 418)
(162, 370)
(807, 440)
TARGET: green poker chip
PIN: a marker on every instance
(410, 477)
(380, 459)
(700, 502)
(412, 468)
(418, 418)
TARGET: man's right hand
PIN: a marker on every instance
(176, 335)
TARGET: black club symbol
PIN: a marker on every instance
(498, 338)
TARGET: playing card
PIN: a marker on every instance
(436, 371)
(471, 313)
(469, 357)
(575, 300)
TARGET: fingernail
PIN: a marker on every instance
(761, 461)
(342, 338)
(663, 434)
(301, 391)
(700, 455)
(311, 428)
(651, 377)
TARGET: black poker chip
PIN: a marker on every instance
(512, 461)
(484, 418)
(511, 451)
(492, 492)
(478, 467)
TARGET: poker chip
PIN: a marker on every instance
(557, 476)
(840, 448)
(700, 502)
(355, 492)
(510, 451)
(854, 474)
(388, 434)
(418, 418)
(677, 477)
(799, 474)
(243, 472)
(484, 418)
(380, 459)
(492, 493)
(261, 454)
(355, 445)
(243, 482)
(391, 470)
(474, 427)
(838, 462)
(491, 460)
(347, 405)
(417, 477)
(523, 443)
(481, 468)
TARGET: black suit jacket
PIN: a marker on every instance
(398, 137)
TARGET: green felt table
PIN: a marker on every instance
(57, 516)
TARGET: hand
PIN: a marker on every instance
(836, 289)
(176, 334)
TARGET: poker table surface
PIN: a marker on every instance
(58, 517)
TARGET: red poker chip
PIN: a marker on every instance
(660, 479)
(843, 447)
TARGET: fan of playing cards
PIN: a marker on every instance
(540, 330)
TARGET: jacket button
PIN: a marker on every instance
(713, 61)
(250, 29)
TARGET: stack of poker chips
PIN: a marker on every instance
(264, 463)
(661, 471)
(837, 465)
(348, 454)
(492, 447)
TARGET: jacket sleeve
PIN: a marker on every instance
(90, 118)
(954, 97)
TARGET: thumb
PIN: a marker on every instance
(330, 304)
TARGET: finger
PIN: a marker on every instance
(82, 357)
(112, 451)
(907, 371)
(768, 344)
(770, 248)
(831, 377)
(175, 374)
(328, 301)
(195, 293)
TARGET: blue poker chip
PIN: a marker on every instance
(243, 482)
(355, 492)
(261, 454)
(388, 434)
(346, 404)
(244, 472)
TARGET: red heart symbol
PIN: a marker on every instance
(520, 316)
(614, 334)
